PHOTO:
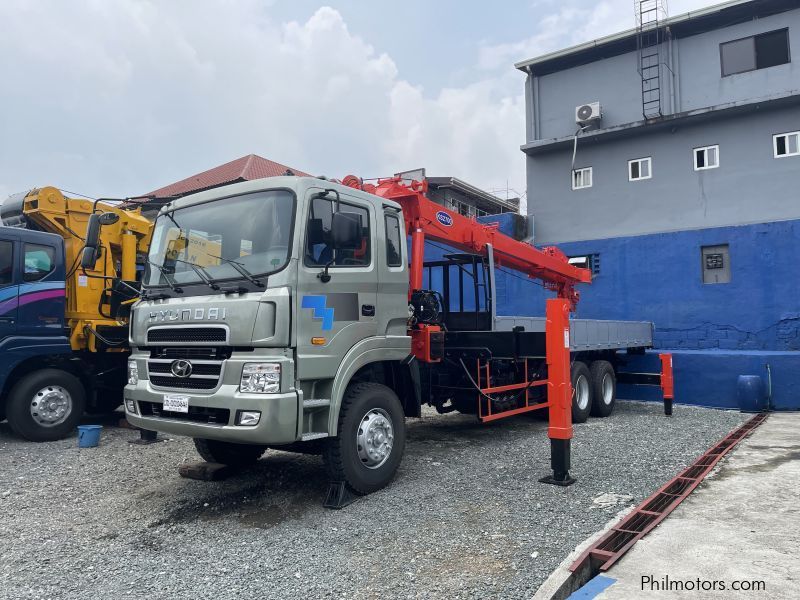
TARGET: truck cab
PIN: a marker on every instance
(32, 333)
(274, 313)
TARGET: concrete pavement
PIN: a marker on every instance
(740, 528)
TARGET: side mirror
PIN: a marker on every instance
(88, 257)
(345, 230)
(108, 218)
(93, 231)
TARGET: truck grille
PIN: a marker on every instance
(192, 335)
(205, 371)
(196, 414)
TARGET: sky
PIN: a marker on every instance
(115, 98)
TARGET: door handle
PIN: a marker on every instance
(368, 310)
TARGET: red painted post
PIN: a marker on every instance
(417, 258)
(667, 383)
(559, 390)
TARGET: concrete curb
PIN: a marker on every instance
(562, 582)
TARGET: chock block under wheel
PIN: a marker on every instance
(146, 437)
(206, 471)
(339, 495)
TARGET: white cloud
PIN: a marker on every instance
(119, 98)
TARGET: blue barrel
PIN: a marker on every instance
(89, 436)
(751, 394)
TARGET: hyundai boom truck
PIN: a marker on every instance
(286, 313)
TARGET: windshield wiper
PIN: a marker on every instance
(241, 270)
(201, 273)
(163, 271)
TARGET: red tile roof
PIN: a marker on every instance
(246, 168)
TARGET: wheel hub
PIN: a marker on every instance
(51, 406)
(608, 389)
(582, 392)
(374, 438)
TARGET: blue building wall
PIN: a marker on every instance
(716, 332)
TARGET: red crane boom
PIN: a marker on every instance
(426, 219)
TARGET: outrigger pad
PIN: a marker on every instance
(567, 481)
(205, 471)
(339, 495)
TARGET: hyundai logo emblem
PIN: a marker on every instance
(181, 368)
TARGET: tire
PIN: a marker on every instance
(29, 416)
(367, 408)
(228, 453)
(604, 385)
(581, 392)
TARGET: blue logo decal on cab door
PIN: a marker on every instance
(444, 218)
(321, 311)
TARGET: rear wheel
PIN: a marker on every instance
(372, 436)
(45, 405)
(228, 453)
(581, 392)
(604, 384)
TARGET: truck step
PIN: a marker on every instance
(307, 437)
(315, 402)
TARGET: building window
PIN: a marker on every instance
(786, 144)
(586, 261)
(706, 158)
(582, 178)
(756, 52)
(716, 264)
(640, 168)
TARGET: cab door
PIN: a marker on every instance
(334, 316)
(9, 288)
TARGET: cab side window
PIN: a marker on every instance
(39, 261)
(394, 253)
(6, 262)
(318, 251)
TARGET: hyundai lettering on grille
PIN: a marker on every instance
(181, 368)
(189, 314)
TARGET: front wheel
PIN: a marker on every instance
(45, 405)
(372, 436)
(228, 453)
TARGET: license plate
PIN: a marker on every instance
(175, 403)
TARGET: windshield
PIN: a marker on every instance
(251, 231)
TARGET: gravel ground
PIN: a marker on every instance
(465, 517)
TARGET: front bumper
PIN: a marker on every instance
(279, 412)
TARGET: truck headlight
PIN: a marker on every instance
(133, 373)
(261, 378)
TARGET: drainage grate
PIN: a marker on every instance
(610, 548)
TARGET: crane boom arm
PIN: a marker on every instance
(427, 220)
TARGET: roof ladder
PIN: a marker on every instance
(651, 33)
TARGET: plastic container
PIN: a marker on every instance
(751, 394)
(89, 436)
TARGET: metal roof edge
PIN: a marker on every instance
(622, 35)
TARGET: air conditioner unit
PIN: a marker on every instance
(585, 113)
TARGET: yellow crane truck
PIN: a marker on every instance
(64, 307)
